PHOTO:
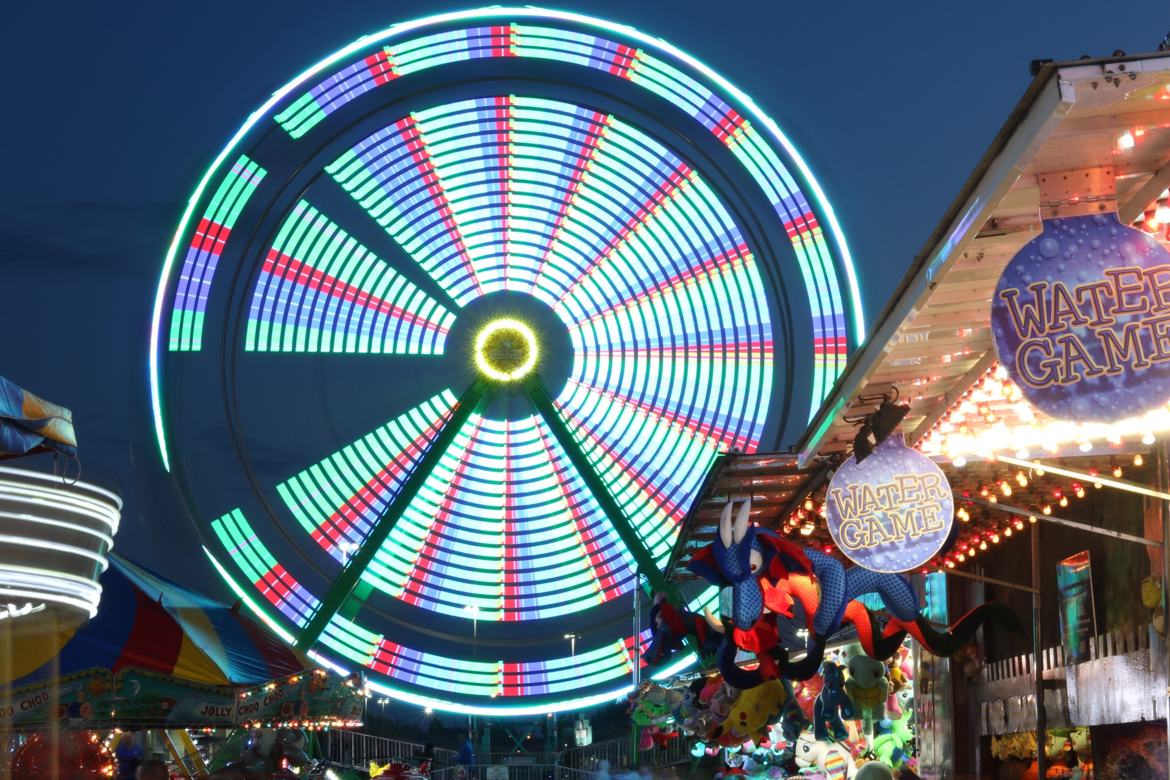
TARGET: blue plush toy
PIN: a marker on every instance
(832, 704)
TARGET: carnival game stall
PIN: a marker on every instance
(999, 444)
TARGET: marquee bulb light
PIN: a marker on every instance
(1117, 472)
(1064, 500)
(1138, 460)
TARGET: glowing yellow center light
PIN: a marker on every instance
(505, 350)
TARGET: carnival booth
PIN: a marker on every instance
(1000, 443)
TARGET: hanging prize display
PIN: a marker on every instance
(893, 511)
(1081, 320)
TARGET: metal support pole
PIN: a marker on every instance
(637, 674)
(1037, 659)
(981, 578)
(1162, 480)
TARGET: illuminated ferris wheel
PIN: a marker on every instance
(453, 327)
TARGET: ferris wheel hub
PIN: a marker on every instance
(506, 350)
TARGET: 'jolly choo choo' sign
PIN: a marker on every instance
(892, 512)
(1081, 320)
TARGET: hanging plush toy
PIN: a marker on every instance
(653, 705)
(1152, 600)
(768, 575)
(832, 704)
(898, 681)
(832, 760)
(889, 746)
(752, 710)
(868, 688)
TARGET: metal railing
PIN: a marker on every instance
(512, 771)
(355, 749)
(616, 753)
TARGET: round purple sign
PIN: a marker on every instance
(1081, 320)
(892, 512)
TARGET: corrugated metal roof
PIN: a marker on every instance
(933, 339)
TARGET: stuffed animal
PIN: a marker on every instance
(832, 704)
(720, 704)
(868, 688)
(832, 760)
(654, 705)
(806, 694)
(898, 681)
(752, 710)
(1152, 600)
(889, 746)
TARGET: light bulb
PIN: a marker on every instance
(1138, 459)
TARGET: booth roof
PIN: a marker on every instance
(932, 341)
(931, 345)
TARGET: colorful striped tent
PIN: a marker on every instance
(146, 622)
(159, 655)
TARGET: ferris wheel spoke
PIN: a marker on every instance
(642, 555)
(343, 586)
(392, 174)
(320, 290)
(628, 180)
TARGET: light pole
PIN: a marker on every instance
(473, 609)
(572, 643)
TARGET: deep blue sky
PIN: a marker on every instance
(112, 112)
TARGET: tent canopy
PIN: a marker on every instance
(146, 621)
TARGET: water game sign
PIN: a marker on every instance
(893, 511)
(1081, 320)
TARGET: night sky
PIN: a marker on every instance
(114, 110)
